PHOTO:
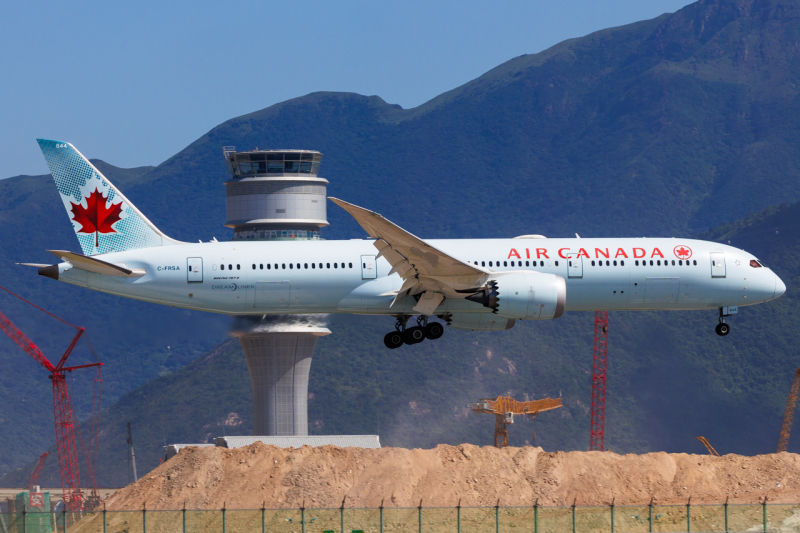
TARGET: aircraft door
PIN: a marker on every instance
(717, 265)
(272, 294)
(369, 269)
(194, 269)
(575, 266)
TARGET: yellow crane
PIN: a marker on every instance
(504, 408)
(788, 415)
(708, 445)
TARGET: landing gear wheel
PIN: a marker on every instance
(434, 330)
(393, 339)
(414, 335)
(722, 329)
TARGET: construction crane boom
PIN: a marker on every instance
(708, 445)
(599, 367)
(37, 471)
(68, 435)
(788, 414)
(504, 408)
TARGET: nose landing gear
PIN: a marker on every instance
(722, 328)
(413, 335)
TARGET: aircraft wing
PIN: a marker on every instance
(424, 268)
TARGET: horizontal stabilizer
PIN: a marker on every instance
(38, 265)
(97, 266)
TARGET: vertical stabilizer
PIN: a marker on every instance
(103, 219)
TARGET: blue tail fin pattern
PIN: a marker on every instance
(103, 219)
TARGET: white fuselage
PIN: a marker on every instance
(287, 277)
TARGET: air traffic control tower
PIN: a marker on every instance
(277, 195)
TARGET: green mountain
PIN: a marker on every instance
(665, 127)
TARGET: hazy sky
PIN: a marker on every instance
(135, 82)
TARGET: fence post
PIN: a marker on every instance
(184, 516)
(224, 521)
(689, 515)
(382, 515)
(726, 514)
(264, 517)
(341, 513)
(24, 522)
(303, 516)
(420, 516)
(65, 517)
(536, 516)
(496, 517)
(144, 517)
(764, 512)
(573, 515)
(104, 518)
(650, 513)
(458, 515)
(612, 513)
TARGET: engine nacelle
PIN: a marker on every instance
(524, 296)
(479, 322)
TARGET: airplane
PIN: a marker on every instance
(470, 284)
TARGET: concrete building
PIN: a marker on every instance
(277, 195)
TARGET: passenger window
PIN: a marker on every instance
(261, 267)
(291, 265)
(694, 262)
(658, 263)
(592, 263)
(305, 265)
(268, 266)
(298, 266)
(490, 263)
(680, 262)
(527, 263)
(254, 266)
(505, 263)
(615, 262)
(673, 262)
(651, 262)
(336, 265)
(351, 265)
(313, 265)
(556, 263)
(320, 265)
(637, 262)
(622, 263)
(238, 267)
(512, 263)
(230, 267)
(329, 265)
(222, 267)
(283, 266)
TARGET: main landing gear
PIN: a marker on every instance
(413, 335)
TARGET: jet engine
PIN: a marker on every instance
(524, 296)
(479, 322)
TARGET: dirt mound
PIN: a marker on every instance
(207, 478)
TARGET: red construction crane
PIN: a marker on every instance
(788, 414)
(37, 471)
(597, 433)
(67, 428)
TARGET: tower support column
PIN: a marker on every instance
(279, 363)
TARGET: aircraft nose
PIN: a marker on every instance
(780, 288)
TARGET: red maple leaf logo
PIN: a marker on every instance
(96, 217)
(682, 252)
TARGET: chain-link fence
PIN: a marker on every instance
(766, 518)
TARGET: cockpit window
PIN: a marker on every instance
(755, 263)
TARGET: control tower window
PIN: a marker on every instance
(291, 167)
(275, 167)
(292, 156)
(305, 167)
